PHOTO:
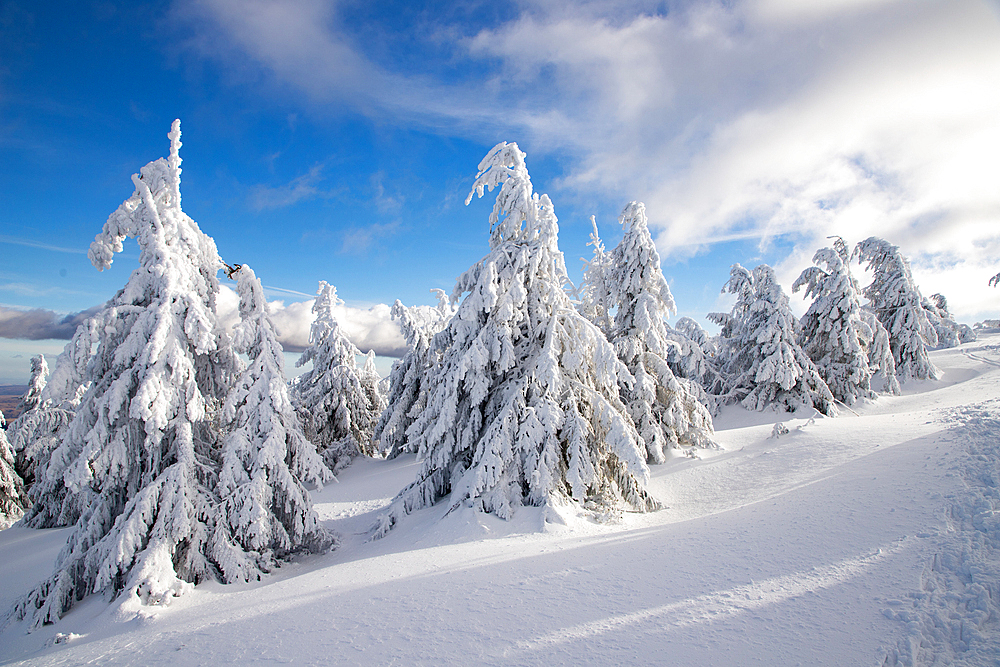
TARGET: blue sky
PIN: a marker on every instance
(337, 140)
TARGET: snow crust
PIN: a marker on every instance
(866, 539)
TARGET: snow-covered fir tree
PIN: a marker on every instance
(32, 397)
(68, 381)
(338, 402)
(264, 511)
(13, 500)
(833, 332)
(880, 360)
(406, 398)
(145, 434)
(35, 432)
(949, 332)
(524, 405)
(38, 435)
(595, 288)
(665, 409)
(695, 358)
(896, 301)
(764, 365)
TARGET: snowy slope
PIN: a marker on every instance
(868, 539)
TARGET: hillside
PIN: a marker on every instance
(10, 397)
(867, 539)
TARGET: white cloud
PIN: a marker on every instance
(730, 120)
(369, 328)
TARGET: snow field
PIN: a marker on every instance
(867, 539)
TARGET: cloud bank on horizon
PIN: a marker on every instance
(368, 328)
(767, 119)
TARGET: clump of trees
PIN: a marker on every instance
(178, 451)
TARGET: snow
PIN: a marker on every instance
(865, 539)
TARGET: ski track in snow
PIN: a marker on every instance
(869, 539)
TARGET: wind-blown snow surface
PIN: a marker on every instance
(868, 539)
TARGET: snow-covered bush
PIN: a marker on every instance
(896, 301)
(13, 500)
(833, 333)
(762, 360)
(524, 405)
(138, 461)
(264, 512)
(665, 409)
(407, 398)
(339, 404)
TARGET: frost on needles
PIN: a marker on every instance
(524, 406)
(139, 464)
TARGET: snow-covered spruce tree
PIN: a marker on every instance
(145, 432)
(595, 289)
(338, 403)
(264, 511)
(406, 398)
(13, 500)
(761, 356)
(68, 381)
(35, 431)
(949, 332)
(896, 301)
(695, 358)
(38, 436)
(524, 406)
(32, 398)
(833, 333)
(665, 409)
(880, 360)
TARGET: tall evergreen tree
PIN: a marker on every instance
(524, 406)
(339, 403)
(833, 332)
(143, 440)
(407, 397)
(264, 513)
(896, 301)
(762, 359)
(665, 409)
